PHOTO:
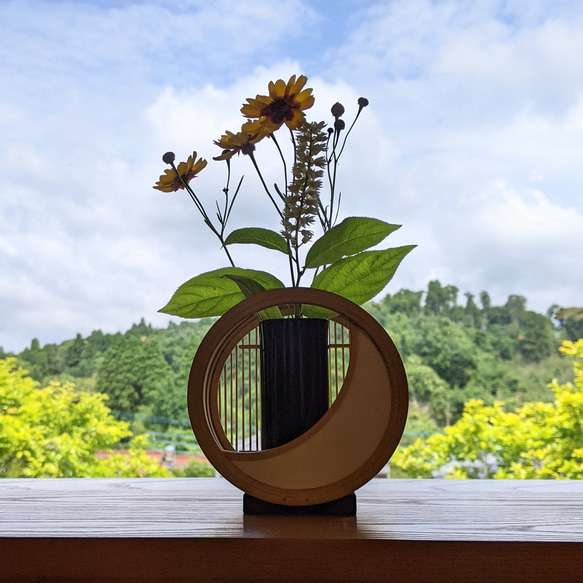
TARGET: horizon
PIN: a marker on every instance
(178, 321)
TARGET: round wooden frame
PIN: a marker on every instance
(348, 446)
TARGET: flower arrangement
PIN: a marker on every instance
(339, 260)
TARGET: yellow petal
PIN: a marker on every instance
(297, 85)
(252, 109)
(296, 121)
(305, 99)
(278, 89)
(225, 155)
(199, 165)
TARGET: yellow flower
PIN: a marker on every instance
(241, 142)
(284, 104)
(170, 180)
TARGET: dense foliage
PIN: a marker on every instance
(538, 440)
(143, 371)
(56, 432)
(503, 356)
(455, 352)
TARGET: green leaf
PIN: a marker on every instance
(211, 294)
(361, 277)
(310, 311)
(250, 287)
(258, 236)
(351, 236)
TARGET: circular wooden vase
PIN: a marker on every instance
(347, 447)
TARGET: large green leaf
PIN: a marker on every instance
(310, 311)
(361, 277)
(250, 287)
(258, 236)
(211, 294)
(351, 236)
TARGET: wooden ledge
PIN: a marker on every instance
(194, 530)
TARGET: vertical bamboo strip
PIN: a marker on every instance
(240, 385)
(235, 421)
(243, 385)
(345, 351)
(336, 359)
(225, 401)
(257, 387)
(221, 384)
(233, 376)
(249, 393)
(330, 359)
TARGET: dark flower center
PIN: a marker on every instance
(279, 109)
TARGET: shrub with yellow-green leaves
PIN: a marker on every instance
(55, 432)
(538, 440)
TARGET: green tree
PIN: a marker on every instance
(539, 440)
(537, 337)
(445, 347)
(75, 352)
(427, 390)
(486, 305)
(515, 307)
(91, 356)
(56, 431)
(137, 378)
(471, 311)
(436, 298)
(35, 360)
(141, 330)
(119, 375)
(397, 324)
(404, 301)
(571, 321)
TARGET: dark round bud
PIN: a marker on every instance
(362, 102)
(169, 157)
(337, 110)
(330, 130)
(339, 125)
(247, 149)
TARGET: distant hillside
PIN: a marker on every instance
(452, 352)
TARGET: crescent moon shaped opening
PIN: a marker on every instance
(345, 448)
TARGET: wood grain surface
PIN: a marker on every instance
(194, 530)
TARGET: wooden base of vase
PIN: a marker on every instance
(345, 506)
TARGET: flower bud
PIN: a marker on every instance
(339, 125)
(362, 102)
(337, 109)
(247, 149)
(168, 157)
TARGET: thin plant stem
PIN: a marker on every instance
(265, 185)
(284, 168)
(348, 132)
(289, 251)
(205, 216)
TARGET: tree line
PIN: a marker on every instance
(453, 351)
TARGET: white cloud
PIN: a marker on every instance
(472, 141)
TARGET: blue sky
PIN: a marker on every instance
(473, 141)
